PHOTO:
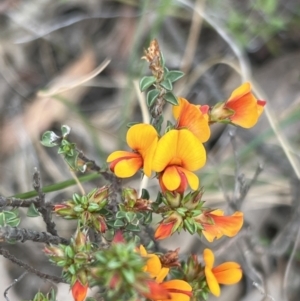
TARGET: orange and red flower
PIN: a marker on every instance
(178, 153)
(79, 291)
(168, 226)
(193, 118)
(215, 224)
(242, 108)
(226, 273)
(142, 139)
(172, 290)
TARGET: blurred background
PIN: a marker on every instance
(50, 53)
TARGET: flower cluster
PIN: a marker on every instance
(179, 152)
(116, 260)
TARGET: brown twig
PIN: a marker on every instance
(45, 211)
(9, 234)
(16, 203)
(28, 268)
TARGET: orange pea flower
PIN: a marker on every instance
(242, 108)
(168, 226)
(142, 139)
(153, 265)
(79, 291)
(216, 225)
(174, 290)
(226, 273)
(178, 153)
(192, 117)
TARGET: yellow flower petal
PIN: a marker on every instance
(178, 297)
(162, 275)
(181, 107)
(212, 282)
(148, 157)
(143, 251)
(191, 117)
(228, 273)
(165, 151)
(241, 90)
(192, 179)
(177, 284)
(209, 258)
(127, 168)
(210, 235)
(190, 150)
(119, 154)
(171, 178)
(153, 265)
(140, 137)
(181, 148)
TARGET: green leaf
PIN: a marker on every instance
(14, 222)
(133, 228)
(145, 194)
(65, 130)
(72, 161)
(173, 76)
(2, 219)
(162, 59)
(190, 226)
(129, 275)
(151, 97)
(146, 82)
(50, 139)
(130, 124)
(120, 214)
(171, 98)
(32, 211)
(148, 218)
(166, 83)
(119, 223)
(130, 216)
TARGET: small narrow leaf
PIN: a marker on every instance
(162, 59)
(173, 76)
(32, 211)
(146, 82)
(14, 222)
(151, 97)
(166, 84)
(171, 98)
(145, 194)
(130, 124)
(50, 139)
(65, 130)
(119, 223)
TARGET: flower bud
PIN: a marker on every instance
(173, 198)
(129, 195)
(100, 195)
(193, 200)
(168, 226)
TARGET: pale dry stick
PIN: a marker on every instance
(286, 147)
(12, 284)
(73, 83)
(243, 61)
(192, 39)
(77, 181)
(289, 266)
(146, 119)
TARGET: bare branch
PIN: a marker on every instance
(42, 208)
(28, 268)
(11, 285)
(13, 234)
